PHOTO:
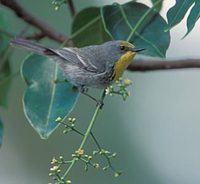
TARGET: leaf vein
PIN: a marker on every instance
(150, 43)
(52, 97)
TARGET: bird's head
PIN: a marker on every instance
(119, 53)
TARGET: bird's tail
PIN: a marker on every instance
(29, 45)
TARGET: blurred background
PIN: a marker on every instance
(156, 132)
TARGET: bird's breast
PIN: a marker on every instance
(122, 64)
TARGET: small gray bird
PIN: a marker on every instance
(92, 66)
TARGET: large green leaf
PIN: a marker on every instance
(87, 28)
(45, 100)
(1, 132)
(137, 23)
(193, 16)
(178, 11)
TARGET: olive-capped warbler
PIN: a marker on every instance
(91, 66)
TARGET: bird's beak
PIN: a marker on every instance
(137, 49)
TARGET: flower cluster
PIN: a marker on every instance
(60, 168)
(55, 170)
(58, 3)
(120, 88)
(70, 126)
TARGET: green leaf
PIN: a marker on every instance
(193, 17)
(1, 132)
(177, 12)
(139, 24)
(4, 40)
(159, 6)
(5, 81)
(87, 28)
(45, 99)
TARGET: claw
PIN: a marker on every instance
(83, 89)
(100, 104)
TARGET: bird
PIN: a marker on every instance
(95, 66)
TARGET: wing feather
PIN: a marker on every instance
(75, 57)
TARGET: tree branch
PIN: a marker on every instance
(47, 30)
(145, 66)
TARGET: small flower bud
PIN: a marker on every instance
(56, 8)
(79, 152)
(50, 174)
(73, 120)
(96, 165)
(86, 156)
(105, 168)
(89, 157)
(58, 119)
(65, 131)
(106, 152)
(114, 155)
(54, 161)
(54, 168)
(127, 82)
(117, 174)
(107, 91)
(94, 152)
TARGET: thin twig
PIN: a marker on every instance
(74, 129)
(85, 137)
(46, 29)
(145, 66)
(71, 7)
(95, 140)
(105, 156)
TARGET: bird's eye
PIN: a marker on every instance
(122, 47)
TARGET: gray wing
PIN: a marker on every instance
(73, 56)
(83, 58)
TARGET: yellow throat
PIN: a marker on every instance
(122, 64)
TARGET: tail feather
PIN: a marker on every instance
(29, 45)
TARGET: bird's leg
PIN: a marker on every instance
(103, 95)
(100, 102)
(84, 91)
